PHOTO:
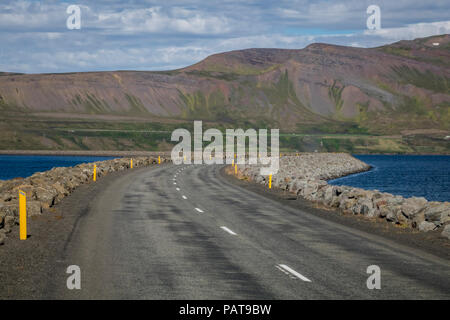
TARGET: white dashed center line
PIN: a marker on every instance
(229, 231)
(178, 189)
(174, 183)
(284, 268)
(184, 197)
(199, 210)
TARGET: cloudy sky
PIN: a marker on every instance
(161, 35)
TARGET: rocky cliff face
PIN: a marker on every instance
(400, 86)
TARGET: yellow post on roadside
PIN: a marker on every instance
(23, 215)
(159, 160)
(131, 163)
(270, 181)
(232, 163)
(235, 169)
(95, 172)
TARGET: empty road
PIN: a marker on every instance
(185, 232)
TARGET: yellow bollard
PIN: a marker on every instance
(159, 160)
(95, 172)
(131, 163)
(232, 163)
(270, 181)
(23, 215)
(184, 158)
(235, 169)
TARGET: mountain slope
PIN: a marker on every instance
(400, 86)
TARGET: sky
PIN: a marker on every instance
(170, 34)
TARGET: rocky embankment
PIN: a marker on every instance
(306, 176)
(45, 189)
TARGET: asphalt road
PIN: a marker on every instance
(185, 232)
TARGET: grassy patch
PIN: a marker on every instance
(427, 79)
(136, 105)
(228, 76)
(332, 127)
(335, 95)
(398, 51)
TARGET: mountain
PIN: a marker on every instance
(319, 89)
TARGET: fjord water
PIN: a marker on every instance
(425, 176)
(420, 176)
(24, 166)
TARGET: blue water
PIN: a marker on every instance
(420, 176)
(25, 166)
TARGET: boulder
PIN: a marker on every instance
(363, 206)
(7, 196)
(417, 219)
(383, 211)
(346, 204)
(437, 212)
(372, 213)
(27, 188)
(412, 206)
(446, 232)
(8, 224)
(426, 226)
(61, 191)
(2, 214)
(45, 195)
(401, 218)
(259, 179)
(10, 209)
(312, 187)
(396, 200)
(300, 186)
(391, 215)
(381, 202)
(295, 185)
(34, 208)
(330, 192)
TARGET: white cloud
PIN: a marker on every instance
(156, 20)
(412, 31)
(155, 34)
(31, 16)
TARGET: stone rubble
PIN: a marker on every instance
(306, 176)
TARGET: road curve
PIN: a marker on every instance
(185, 232)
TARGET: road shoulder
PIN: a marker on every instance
(27, 268)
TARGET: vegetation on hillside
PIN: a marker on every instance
(427, 79)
